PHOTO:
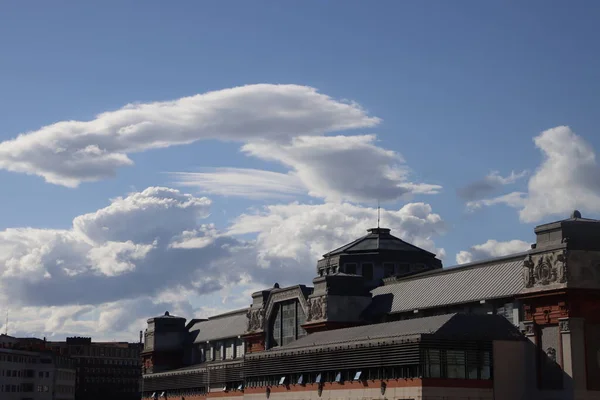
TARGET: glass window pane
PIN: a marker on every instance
(433, 367)
(455, 364)
(276, 328)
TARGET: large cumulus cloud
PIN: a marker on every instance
(155, 250)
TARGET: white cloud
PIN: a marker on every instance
(339, 168)
(248, 183)
(291, 238)
(148, 252)
(567, 179)
(490, 249)
(514, 199)
(125, 249)
(70, 152)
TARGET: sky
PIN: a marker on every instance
(178, 156)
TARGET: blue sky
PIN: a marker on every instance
(461, 90)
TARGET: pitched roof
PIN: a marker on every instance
(448, 326)
(222, 326)
(378, 239)
(492, 279)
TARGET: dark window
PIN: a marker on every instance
(455, 360)
(287, 323)
(367, 271)
(388, 269)
(350, 268)
(218, 350)
(434, 363)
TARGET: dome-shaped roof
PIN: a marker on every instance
(378, 239)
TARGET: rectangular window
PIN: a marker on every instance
(288, 322)
(276, 329)
(433, 363)
(350, 268)
(218, 350)
(367, 271)
(473, 364)
(388, 269)
(455, 364)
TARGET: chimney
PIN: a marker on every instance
(140, 337)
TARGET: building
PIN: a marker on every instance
(34, 375)
(105, 370)
(385, 320)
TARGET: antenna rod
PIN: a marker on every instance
(378, 213)
(6, 327)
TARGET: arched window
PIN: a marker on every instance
(286, 323)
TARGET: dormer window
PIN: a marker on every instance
(350, 268)
(286, 326)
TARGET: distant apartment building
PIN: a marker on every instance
(34, 375)
(105, 370)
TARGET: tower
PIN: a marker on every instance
(164, 343)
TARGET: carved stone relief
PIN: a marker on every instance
(584, 269)
(256, 319)
(317, 309)
(545, 269)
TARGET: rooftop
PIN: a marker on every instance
(497, 278)
(378, 239)
(448, 326)
(221, 326)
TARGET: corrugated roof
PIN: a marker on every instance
(222, 326)
(448, 326)
(378, 239)
(463, 284)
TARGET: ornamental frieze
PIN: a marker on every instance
(317, 309)
(256, 319)
(545, 269)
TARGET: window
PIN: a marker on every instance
(287, 323)
(388, 269)
(433, 363)
(455, 364)
(350, 268)
(367, 271)
(218, 350)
